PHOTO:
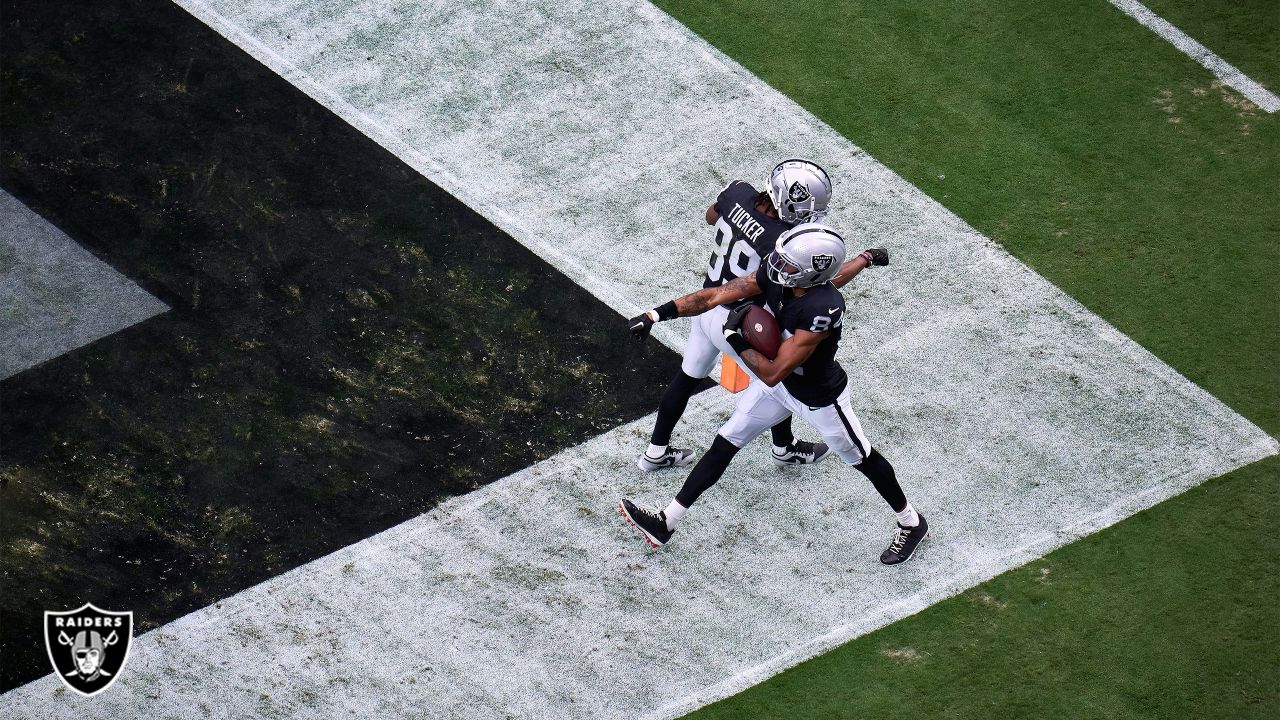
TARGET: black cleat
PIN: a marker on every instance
(904, 543)
(652, 523)
(672, 458)
(802, 452)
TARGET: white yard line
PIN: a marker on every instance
(1017, 419)
(55, 296)
(1225, 71)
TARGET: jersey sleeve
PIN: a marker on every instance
(762, 276)
(770, 293)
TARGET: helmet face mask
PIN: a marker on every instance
(806, 256)
(800, 190)
(782, 271)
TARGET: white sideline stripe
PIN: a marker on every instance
(1017, 419)
(1226, 72)
(55, 296)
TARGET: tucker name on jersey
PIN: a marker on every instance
(743, 234)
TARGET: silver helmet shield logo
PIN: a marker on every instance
(822, 262)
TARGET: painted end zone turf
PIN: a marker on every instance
(55, 296)
(1018, 420)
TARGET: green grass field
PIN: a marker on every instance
(1122, 171)
(1244, 32)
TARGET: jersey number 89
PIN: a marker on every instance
(734, 252)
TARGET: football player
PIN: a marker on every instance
(796, 283)
(747, 225)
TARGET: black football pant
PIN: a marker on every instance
(713, 464)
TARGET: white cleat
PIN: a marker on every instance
(671, 458)
(802, 452)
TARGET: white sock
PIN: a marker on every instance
(655, 452)
(908, 517)
(673, 513)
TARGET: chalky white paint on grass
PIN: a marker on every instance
(55, 296)
(1017, 419)
(1225, 71)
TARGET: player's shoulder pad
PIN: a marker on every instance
(736, 189)
(824, 300)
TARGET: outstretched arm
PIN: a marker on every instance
(864, 260)
(695, 303)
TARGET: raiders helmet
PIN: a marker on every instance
(805, 256)
(800, 191)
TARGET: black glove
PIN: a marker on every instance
(640, 326)
(737, 315)
(876, 256)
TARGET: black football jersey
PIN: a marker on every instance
(744, 235)
(820, 379)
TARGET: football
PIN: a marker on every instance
(761, 330)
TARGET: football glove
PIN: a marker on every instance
(641, 325)
(733, 328)
(733, 323)
(876, 256)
